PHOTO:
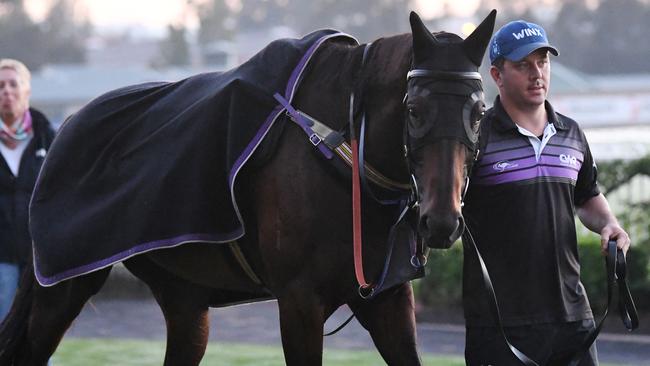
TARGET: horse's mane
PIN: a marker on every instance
(340, 63)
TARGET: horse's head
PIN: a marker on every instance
(444, 105)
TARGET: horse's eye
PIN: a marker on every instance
(478, 112)
(418, 125)
(473, 112)
(413, 114)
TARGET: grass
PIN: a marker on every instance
(100, 352)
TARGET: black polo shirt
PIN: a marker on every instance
(520, 210)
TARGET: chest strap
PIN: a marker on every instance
(319, 133)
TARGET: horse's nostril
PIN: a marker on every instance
(439, 231)
(439, 226)
(424, 227)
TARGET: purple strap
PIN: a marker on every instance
(305, 125)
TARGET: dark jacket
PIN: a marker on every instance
(15, 193)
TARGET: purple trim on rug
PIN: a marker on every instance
(294, 79)
(297, 71)
(525, 174)
(300, 120)
(215, 238)
(250, 148)
(138, 249)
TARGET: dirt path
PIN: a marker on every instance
(258, 324)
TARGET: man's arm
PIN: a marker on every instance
(596, 215)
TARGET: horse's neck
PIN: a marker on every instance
(338, 70)
(385, 72)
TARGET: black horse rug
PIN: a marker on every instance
(155, 165)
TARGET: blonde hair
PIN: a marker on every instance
(20, 69)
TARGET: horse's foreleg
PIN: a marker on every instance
(52, 311)
(185, 307)
(390, 320)
(301, 326)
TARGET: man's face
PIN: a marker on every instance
(525, 83)
(14, 95)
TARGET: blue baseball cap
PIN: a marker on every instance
(518, 39)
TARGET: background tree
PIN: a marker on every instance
(20, 37)
(216, 21)
(620, 43)
(59, 38)
(573, 31)
(174, 49)
(63, 35)
(256, 14)
(364, 19)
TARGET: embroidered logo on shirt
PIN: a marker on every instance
(503, 165)
(568, 160)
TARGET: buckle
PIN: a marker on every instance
(314, 139)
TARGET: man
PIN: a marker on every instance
(25, 136)
(534, 171)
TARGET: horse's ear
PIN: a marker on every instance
(422, 38)
(476, 43)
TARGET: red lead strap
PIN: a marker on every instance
(356, 218)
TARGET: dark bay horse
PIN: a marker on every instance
(297, 211)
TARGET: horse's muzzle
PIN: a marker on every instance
(441, 231)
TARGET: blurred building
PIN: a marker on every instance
(614, 110)
(61, 90)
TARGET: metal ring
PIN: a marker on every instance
(363, 288)
(415, 261)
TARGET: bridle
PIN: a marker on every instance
(410, 206)
(471, 142)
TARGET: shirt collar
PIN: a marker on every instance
(504, 122)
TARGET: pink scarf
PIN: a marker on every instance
(22, 131)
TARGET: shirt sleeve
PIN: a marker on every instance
(587, 184)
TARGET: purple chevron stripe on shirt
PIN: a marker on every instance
(558, 150)
(538, 171)
(506, 165)
(508, 144)
(566, 142)
(522, 152)
(527, 150)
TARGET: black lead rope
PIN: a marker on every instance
(616, 274)
(492, 300)
(616, 267)
(340, 326)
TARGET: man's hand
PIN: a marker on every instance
(614, 232)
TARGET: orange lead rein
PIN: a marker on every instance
(356, 217)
